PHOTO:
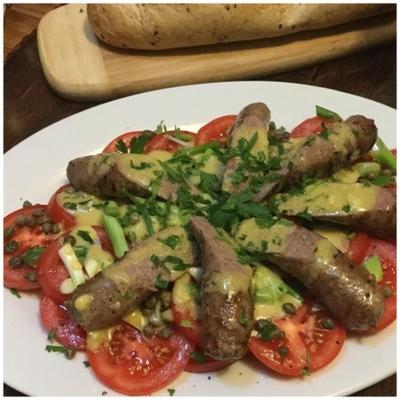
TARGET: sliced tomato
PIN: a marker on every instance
(23, 276)
(306, 347)
(68, 332)
(125, 138)
(51, 270)
(132, 365)
(58, 213)
(164, 142)
(200, 363)
(217, 129)
(185, 311)
(387, 255)
(358, 247)
(187, 325)
(308, 127)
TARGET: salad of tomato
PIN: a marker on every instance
(51, 250)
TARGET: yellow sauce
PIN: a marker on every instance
(96, 338)
(252, 236)
(332, 197)
(83, 302)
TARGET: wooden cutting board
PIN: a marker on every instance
(79, 67)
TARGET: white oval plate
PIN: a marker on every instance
(35, 168)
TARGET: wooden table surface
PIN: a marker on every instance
(31, 105)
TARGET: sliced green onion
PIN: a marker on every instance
(115, 234)
(327, 114)
(383, 155)
(185, 137)
(374, 267)
(214, 145)
(366, 168)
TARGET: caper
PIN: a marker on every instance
(26, 204)
(30, 221)
(11, 247)
(327, 323)
(283, 351)
(69, 190)
(55, 228)
(148, 331)
(46, 228)
(387, 292)
(289, 308)
(70, 239)
(9, 232)
(147, 312)
(155, 319)
(151, 302)
(43, 219)
(166, 298)
(260, 324)
(165, 332)
(38, 213)
(16, 261)
(20, 220)
(134, 219)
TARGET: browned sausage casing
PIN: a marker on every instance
(226, 302)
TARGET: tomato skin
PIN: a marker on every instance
(358, 247)
(386, 252)
(119, 364)
(51, 270)
(308, 127)
(161, 142)
(57, 213)
(68, 332)
(387, 255)
(303, 334)
(217, 129)
(191, 333)
(209, 365)
(26, 237)
(125, 137)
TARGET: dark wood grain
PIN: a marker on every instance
(31, 105)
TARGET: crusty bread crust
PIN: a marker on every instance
(166, 26)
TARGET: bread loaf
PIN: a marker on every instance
(166, 26)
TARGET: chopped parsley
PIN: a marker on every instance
(161, 283)
(81, 252)
(305, 215)
(198, 356)
(171, 392)
(185, 323)
(346, 208)
(70, 205)
(171, 241)
(86, 364)
(15, 292)
(68, 352)
(32, 255)
(120, 146)
(243, 320)
(85, 236)
(51, 335)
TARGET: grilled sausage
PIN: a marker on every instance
(320, 156)
(110, 295)
(226, 302)
(253, 119)
(115, 175)
(367, 208)
(347, 290)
